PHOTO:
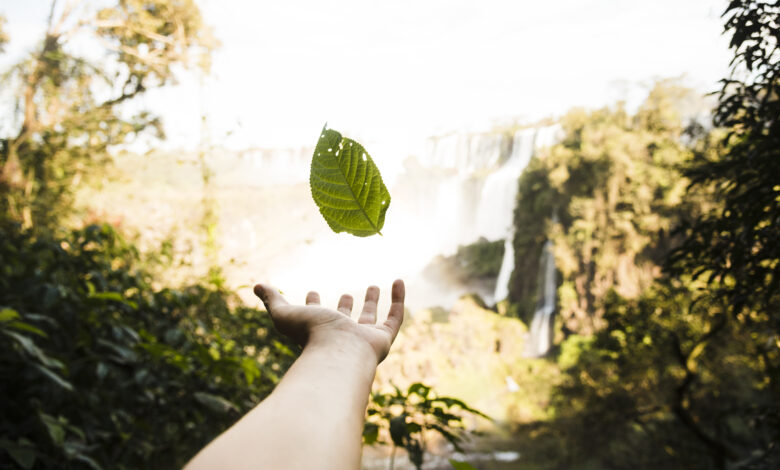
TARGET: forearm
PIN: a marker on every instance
(313, 419)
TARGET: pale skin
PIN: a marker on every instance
(314, 417)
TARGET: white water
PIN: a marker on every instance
(541, 333)
(526, 148)
(455, 189)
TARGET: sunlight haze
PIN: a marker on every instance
(409, 69)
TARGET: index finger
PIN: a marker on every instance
(396, 315)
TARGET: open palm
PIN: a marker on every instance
(302, 322)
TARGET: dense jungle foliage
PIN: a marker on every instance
(666, 241)
(609, 196)
(101, 365)
(101, 368)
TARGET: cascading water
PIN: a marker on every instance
(540, 334)
(457, 188)
(524, 147)
(501, 189)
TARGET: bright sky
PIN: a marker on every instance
(378, 70)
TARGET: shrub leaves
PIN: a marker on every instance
(347, 187)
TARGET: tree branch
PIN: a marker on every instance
(719, 449)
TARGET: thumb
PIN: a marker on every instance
(271, 297)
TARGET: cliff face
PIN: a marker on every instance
(613, 184)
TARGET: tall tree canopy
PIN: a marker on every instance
(100, 366)
(737, 246)
(69, 111)
(613, 185)
(685, 374)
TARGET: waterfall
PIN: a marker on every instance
(478, 197)
(466, 153)
(526, 143)
(447, 191)
(501, 190)
(541, 334)
(505, 272)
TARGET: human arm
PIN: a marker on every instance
(314, 417)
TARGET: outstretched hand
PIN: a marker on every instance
(313, 323)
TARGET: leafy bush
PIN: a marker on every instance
(685, 375)
(669, 383)
(609, 196)
(473, 264)
(101, 370)
(406, 416)
(479, 260)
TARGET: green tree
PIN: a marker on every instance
(70, 110)
(668, 383)
(407, 417)
(101, 369)
(736, 247)
(615, 187)
(689, 368)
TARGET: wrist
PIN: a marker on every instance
(343, 347)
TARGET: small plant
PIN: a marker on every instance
(406, 417)
(347, 187)
(457, 465)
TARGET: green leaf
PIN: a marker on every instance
(419, 389)
(21, 453)
(448, 434)
(398, 430)
(89, 461)
(8, 314)
(370, 433)
(282, 348)
(115, 296)
(123, 354)
(21, 326)
(30, 348)
(55, 428)
(347, 187)
(461, 465)
(54, 377)
(215, 402)
(251, 369)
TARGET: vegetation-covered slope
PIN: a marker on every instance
(672, 368)
(101, 369)
(609, 196)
